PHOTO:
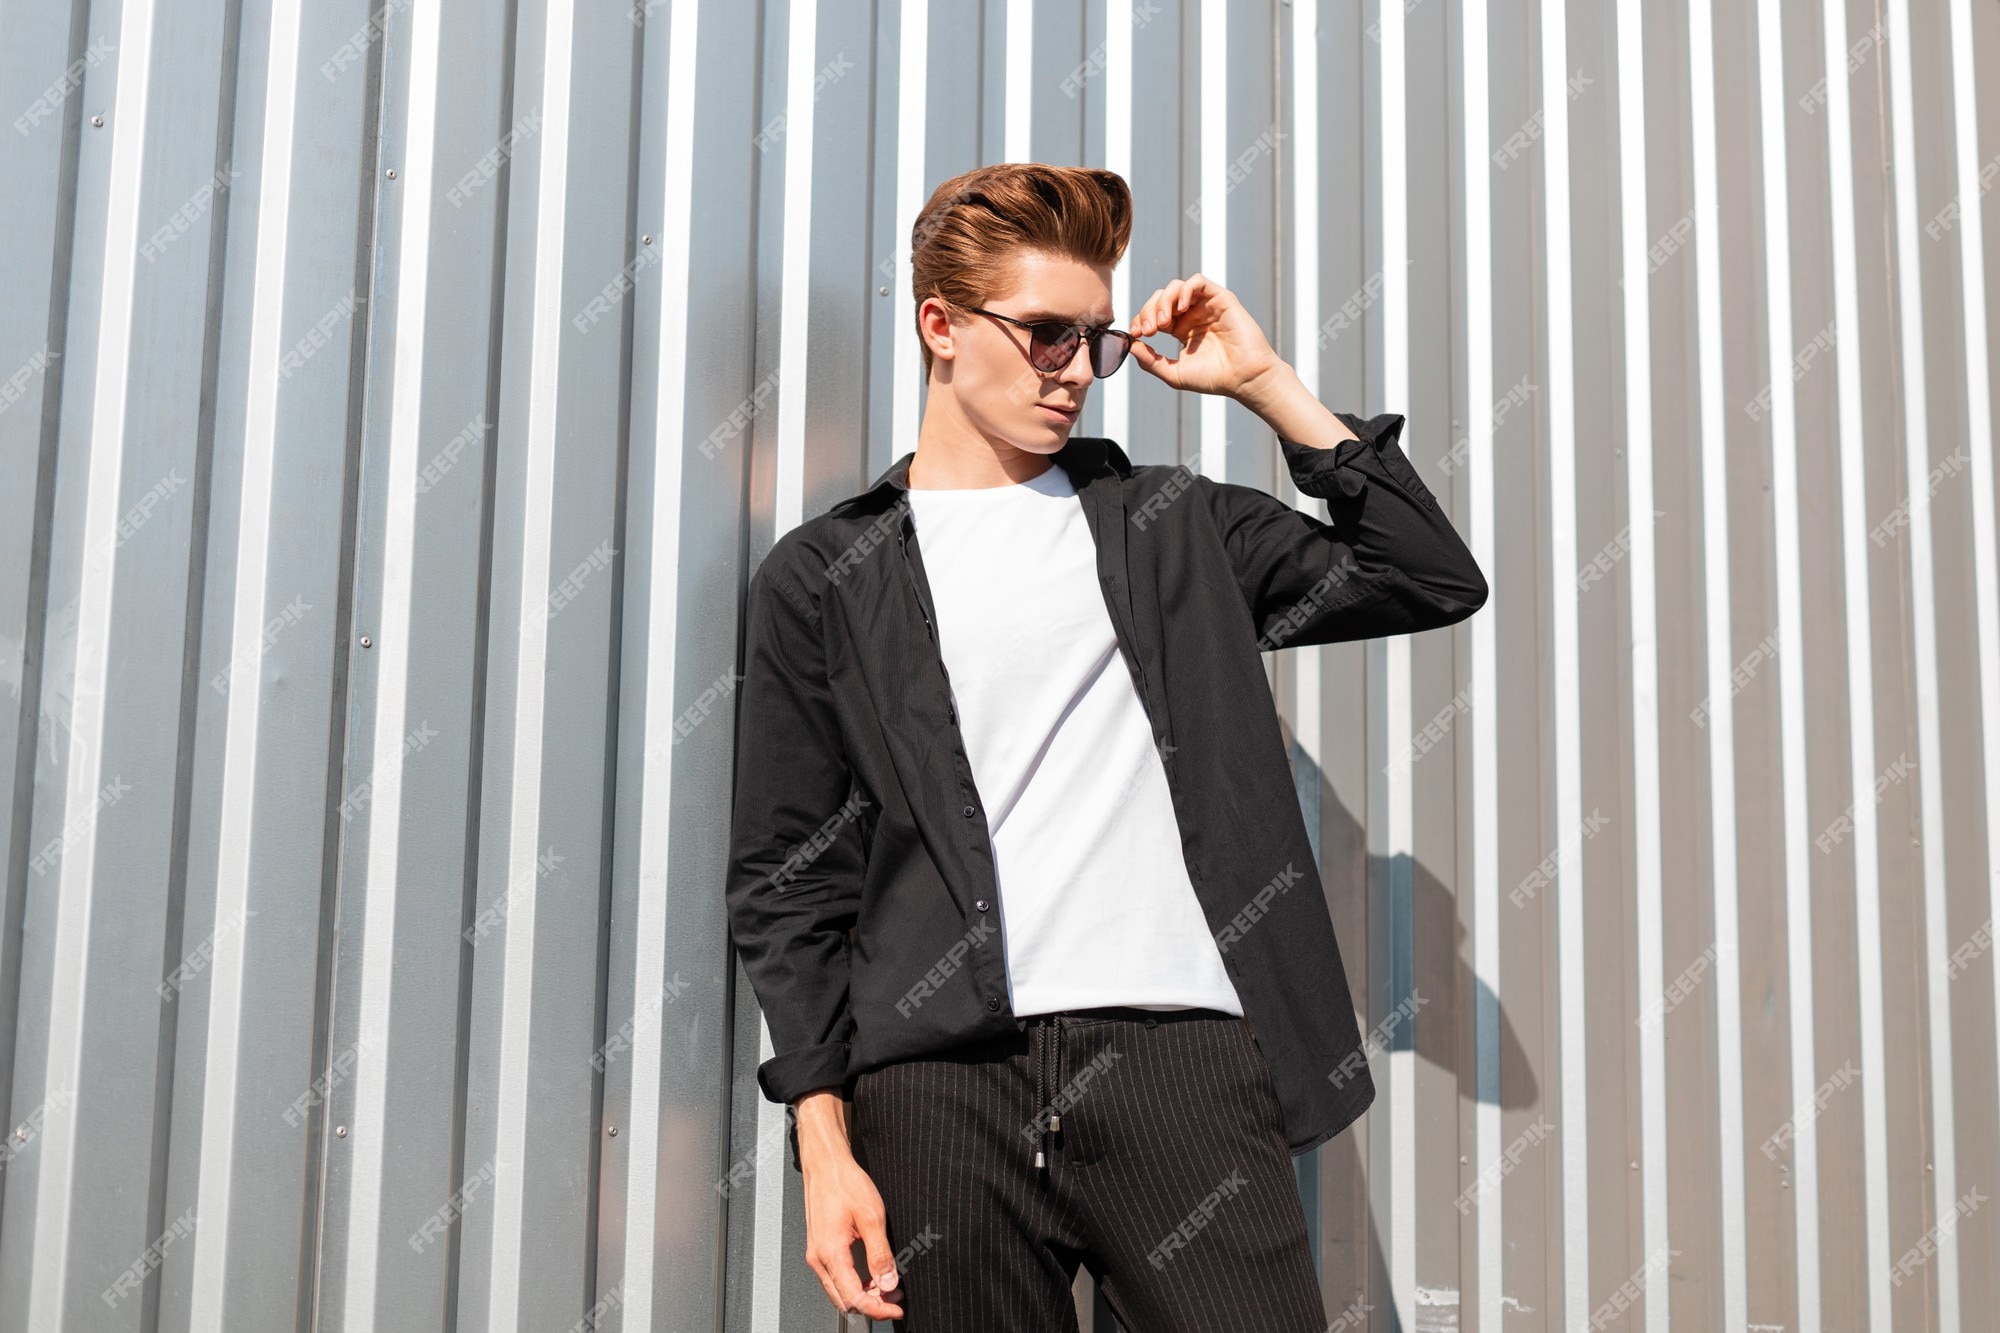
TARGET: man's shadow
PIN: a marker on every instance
(1445, 999)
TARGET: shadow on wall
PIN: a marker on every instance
(1444, 998)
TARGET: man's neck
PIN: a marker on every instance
(955, 457)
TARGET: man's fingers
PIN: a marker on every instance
(881, 1260)
(839, 1263)
(870, 1299)
(812, 1262)
(1166, 308)
(1154, 362)
(849, 1294)
(1159, 310)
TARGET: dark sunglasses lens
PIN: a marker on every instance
(1052, 347)
(1107, 352)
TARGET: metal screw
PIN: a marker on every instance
(614, 1131)
(645, 240)
(881, 291)
(340, 1131)
(367, 642)
(392, 173)
(97, 120)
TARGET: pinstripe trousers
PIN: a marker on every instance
(1146, 1145)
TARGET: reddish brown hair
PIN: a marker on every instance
(964, 242)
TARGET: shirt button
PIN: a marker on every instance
(980, 905)
(992, 1002)
(969, 812)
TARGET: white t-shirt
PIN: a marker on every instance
(1095, 902)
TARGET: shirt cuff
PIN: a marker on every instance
(1334, 473)
(1347, 468)
(788, 1077)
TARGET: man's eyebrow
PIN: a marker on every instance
(1063, 316)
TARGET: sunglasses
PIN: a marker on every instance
(1052, 343)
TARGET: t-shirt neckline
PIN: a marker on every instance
(1052, 480)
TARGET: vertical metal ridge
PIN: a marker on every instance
(1114, 394)
(340, 719)
(220, 1074)
(912, 73)
(33, 657)
(55, 1202)
(490, 419)
(1972, 184)
(1390, 659)
(1212, 243)
(675, 127)
(602, 1109)
(1476, 143)
(1649, 942)
(1923, 613)
(1779, 345)
(1565, 687)
(1860, 667)
(380, 852)
(1718, 663)
(1019, 124)
(531, 659)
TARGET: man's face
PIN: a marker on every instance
(996, 386)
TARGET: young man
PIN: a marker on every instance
(1017, 862)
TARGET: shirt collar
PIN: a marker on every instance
(1082, 456)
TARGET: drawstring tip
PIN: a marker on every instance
(1055, 1124)
(1038, 1157)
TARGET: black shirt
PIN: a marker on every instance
(860, 885)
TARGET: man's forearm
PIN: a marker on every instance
(1281, 398)
(822, 1125)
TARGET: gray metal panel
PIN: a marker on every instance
(100, 856)
(1349, 1254)
(397, 1010)
(248, 1017)
(685, 567)
(1164, 114)
(389, 986)
(1901, 945)
(38, 154)
(47, 51)
(1692, 1132)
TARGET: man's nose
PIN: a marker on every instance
(1078, 370)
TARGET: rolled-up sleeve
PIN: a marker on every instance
(795, 858)
(1386, 561)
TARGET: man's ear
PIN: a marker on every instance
(934, 319)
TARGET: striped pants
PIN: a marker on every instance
(1163, 1169)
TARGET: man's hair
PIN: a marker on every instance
(965, 242)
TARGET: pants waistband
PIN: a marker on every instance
(1128, 1011)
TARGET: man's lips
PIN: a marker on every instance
(1066, 413)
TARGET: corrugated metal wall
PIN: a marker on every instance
(395, 395)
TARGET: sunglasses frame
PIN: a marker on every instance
(1073, 335)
